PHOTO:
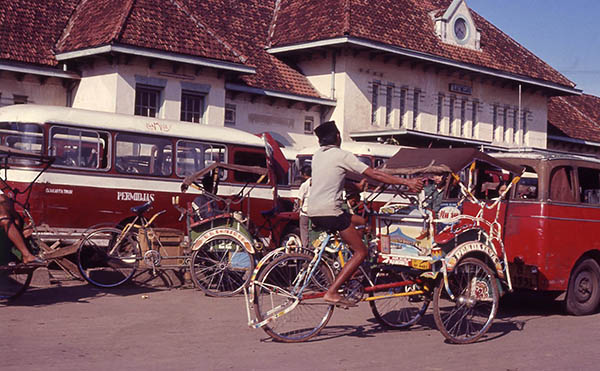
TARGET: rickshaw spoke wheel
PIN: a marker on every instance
(397, 312)
(105, 258)
(276, 289)
(221, 267)
(13, 282)
(468, 316)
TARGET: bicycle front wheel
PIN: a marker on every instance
(468, 316)
(399, 311)
(277, 290)
(13, 282)
(106, 258)
(222, 266)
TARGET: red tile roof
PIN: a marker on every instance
(406, 24)
(576, 117)
(29, 29)
(165, 25)
(246, 23)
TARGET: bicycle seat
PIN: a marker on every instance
(269, 213)
(328, 230)
(141, 209)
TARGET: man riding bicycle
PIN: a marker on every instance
(330, 164)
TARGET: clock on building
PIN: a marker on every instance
(460, 29)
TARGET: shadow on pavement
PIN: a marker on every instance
(84, 293)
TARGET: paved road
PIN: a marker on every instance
(83, 328)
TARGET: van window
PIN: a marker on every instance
(248, 159)
(589, 185)
(22, 136)
(78, 148)
(561, 184)
(142, 155)
(527, 188)
(195, 156)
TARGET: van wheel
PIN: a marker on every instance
(583, 294)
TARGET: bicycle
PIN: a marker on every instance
(108, 257)
(454, 260)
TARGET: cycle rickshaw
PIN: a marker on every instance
(15, 276)
(451, 254)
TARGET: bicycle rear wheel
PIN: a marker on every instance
(222, 266)
(13, 282)
(275, 291)
(107, 259)
(397, 312)
(468, 316)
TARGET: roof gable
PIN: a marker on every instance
(406, 24)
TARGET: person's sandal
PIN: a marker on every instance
(36, 261)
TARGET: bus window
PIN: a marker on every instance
(78, 148)
(561, 184)
(22, 136)
(248, 159)
(143, 155)
(589, 185)
(195, 156)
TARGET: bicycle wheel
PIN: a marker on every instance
(13, 282)
(397, 312)
(275, 291)
(107, 259)
(469, 316)
(222, 266)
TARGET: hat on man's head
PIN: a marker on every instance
(326, 130)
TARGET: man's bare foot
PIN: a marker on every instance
(332, 297)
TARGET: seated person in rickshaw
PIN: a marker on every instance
(204, 205)
(330, 164)
(11, 226)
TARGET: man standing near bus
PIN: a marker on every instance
(330, 164)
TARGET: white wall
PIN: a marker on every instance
(51, 92)
(355, 75)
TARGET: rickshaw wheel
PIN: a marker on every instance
(13, 283)
(398, 312)
(222, 266)
(467, 317)
(583, 293)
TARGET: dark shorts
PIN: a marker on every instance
(332, 223)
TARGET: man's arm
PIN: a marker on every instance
(413, 184)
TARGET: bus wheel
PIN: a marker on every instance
(583, 294)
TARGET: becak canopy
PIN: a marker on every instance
(440, 160)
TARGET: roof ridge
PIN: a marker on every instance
(592, 121)
(120, 29)
(346, 25)
(273, 24)
(67, 31)
(243, 58)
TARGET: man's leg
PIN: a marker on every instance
(359, 252)
(304, 230)
(14, 234)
